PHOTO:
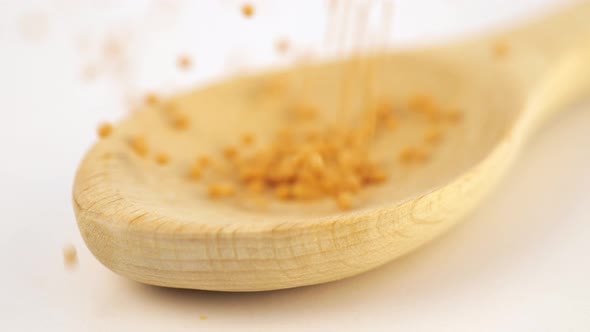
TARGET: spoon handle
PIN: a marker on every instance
(552, 59)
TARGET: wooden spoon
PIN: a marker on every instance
(149, 223)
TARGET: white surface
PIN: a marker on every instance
(520, 263)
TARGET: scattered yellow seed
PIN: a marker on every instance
(500, 49)
(328, 184)
(421, 155)
(408, 154)
(139, 146)
(285, 135)
(316, 161)
(306, 161)
(249, 173)
(230, 153)
(300, 191)
(305, 174)
(344, 200)
(305, 165)
(312, 136)
(384, 110)
(421, 103)
(180, 121)
(273, 87)
(105, 130)
(433, 116)
(283, 191)
(203, 161)
(454, 116)
(392, 122)
(220, 190)
(247, 138)
(107, 155)
(196, 172)
(70, 256)
(248, 10)
(281, 173)
(255, 186)
(170, 108)
(203, 317)
(184, 62)
(306, 113)
(433, 135)
(353, 183)
(426, 106)
(162, 159)
(376, 175)
(414, 154)
(152, 99)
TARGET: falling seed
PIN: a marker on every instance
(184, 62)
(105, 130)
(282, 46)
(70, 256)
(248, 10)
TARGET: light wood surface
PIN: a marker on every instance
(148, 223)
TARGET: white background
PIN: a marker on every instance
(519, 263)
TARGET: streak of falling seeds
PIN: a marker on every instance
(310, 160)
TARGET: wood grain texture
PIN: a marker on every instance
(148, 223)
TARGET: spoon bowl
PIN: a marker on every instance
(148, 223)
